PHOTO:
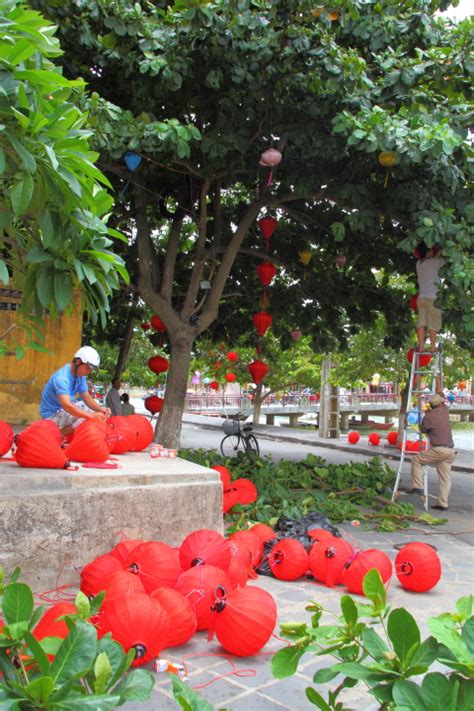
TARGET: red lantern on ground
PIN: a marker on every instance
(119, 584)
(246, 491)
(267, 226)
(121, 434)
(49, 624)
(327, 560)
(244, 620)
(414, 302)
(6, 437)
(288, 559)
(94, 573)
(263, 532)
(156, 564)
(89, 443)
(198, 585)
(353, 437)
(229, 500)
(138, 622)
(145, 326)
(230, 377)
(143, 432)
(47, 425)
(158, 364)
(183, 622)
(392, 438)
(232, 356)
(154, 404)
(237, 572)
(258, 370)
(38, 448)
(355, 570)
(319, 534)
(214, 385)
(266, 272)
(262, 322)
(422, 359)
(123, 549)
(224, 474)
(204, 547)
(251, 542)
(157, 324)
(418, 567)
(374, 439)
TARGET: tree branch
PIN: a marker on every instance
(200, 260)
(170, 257)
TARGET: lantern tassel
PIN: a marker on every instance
(270, 178)
(386, 178)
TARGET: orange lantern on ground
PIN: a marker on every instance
(123, 549)
(263, 532)
(224, 474)
(157, 324)
(319, 534)
(229, 500)
(183, 622)
(262, 322)
(327, 560)
(355, 570)
(418, 567)
(266, 272)
(48, 425)
(258, 370)
(204, 547)
(156, 564)
(121, 434)
(251, 542)
(38, 448)
(119, 584)
(230, 377)
(288, 559)
(353, 437)
(246, 491)
(158, 364)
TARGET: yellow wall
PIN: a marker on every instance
(21, 381)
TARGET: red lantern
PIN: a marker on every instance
(214, 385)
(121, 434)
(422, 359)
(266, 271)
(244, 620)
(229, 500)
(204, 547)
(258, 370)
(157, 324)
(232, 356)
(414, 302)
(353, 437)
(143, 432)
(374, 438)
(418, 567)
(237, 572)
(224, 474)
(327, 560)
(89, 443)
(246, 491)
(319, 534)
(230, 377)
(158, 364)
(145, 326)
(267, 226)
(37, 447)
(123, 549)
(183, 622)
(47, 425)
(154, 404)
(251, 542)
(355, 570)
(198, 585)
(6, 437)
(263, 532)
(156, 564)
(262, 322)
(412, 445)
(288, 559)
(50, 626)
(94, 573)
(119, 584)
(138, 622)
(392, 438)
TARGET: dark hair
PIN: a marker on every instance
(115, 380)
(124, 397)
(422, 250)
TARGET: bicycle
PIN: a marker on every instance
(238, 437)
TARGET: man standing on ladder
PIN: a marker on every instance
(429, 317)
(441, 453)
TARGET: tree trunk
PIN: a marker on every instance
(124, 347)
(168, 429)
(257, 404)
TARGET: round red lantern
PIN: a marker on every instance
(462, 385)
(123, 549)
(353, 437)
(48, 425)
(327, 560)
(214, 385)
(229, 500)
(232, 356)
(266, 272)
(121, 434)
(154, 404)
(38, 448)
(94, 573)
(198, 585)
(262, 322)
(422, 359)
(263, 532)
(392, 438)
(90, 442)
(237, 573)
(319, 534)
(145, 326)
(157, 324)
(258, 370)
(418, 567)
(244, 619)
(230, 377)
(224, 474)
(251, 542)
(414, 302)
(143, 432)
(156, 564)
(374, 439)
(50, 626)
(267, 226)
(183, 620)
(355, 569)
(119, 584)
(158, 364)
(204, 547)
(288, 559)
(246, 491)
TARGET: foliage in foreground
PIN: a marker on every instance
(85, 673)
(343, 492)
(386, 660)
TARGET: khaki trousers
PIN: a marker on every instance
(441, 458)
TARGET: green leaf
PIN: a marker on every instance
(374, 644)
(426, 653)
(94, 702)
(102, 673)
(354, 670)
(17, 603)
(349, 609)
(40, 657)
(338, 230)
(187, 698)
(373, 588)
(285, 661)
(316, 699)
(76, 654)
(47, 228)
(137, 686)
(3, 162)
(26, 157)
(407, 694)
(468, 634)
(403, 632)
(83, 606)
(465, 604)
(323, 676)
(450, 638)
(439, 693)
(4, 276)
(40, 689)
(21, 194)
(45, 288)
(37, 255)
(116, 656)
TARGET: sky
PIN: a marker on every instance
(464, 9)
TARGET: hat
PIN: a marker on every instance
(436, 400)
(89, 356)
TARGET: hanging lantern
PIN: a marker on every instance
(288, 559)
(392, 438)
(204, 547)
(267, 226)
(132, 160)
(121, 434)
(251, 542)
(262, 322)
(246, 491)
(145, 326)
(49, 624)
(214, 385)
(353, 437)
(266, 272)
(462, 385)
(224, 474)
(232, 356)
(157, 324)
(93, 573)
(158, 364)
(230, 377)
(418, 567)
(414, 302)
(244, 619)
(89, 443)
(123, 550)
(137, 622)
(156, 564)
(355, 570)
(305, 257)
(263, 532)
(270, 158)
(6, 437)
(258, 370)
(340, 260)
(374, 439)
(387, 159)
(182, 617)
(198, 585)
(119, 584)
(154, 404)
(37, 448)
(49, 426)
(296, 334)
(422, 359)
(327, 560)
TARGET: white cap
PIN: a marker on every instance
(89, 356)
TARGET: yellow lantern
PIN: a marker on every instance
(305, 257)
(388, 159)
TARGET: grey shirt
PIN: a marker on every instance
(113, 401)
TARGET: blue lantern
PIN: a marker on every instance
(132, 160)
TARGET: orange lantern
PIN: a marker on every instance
(414, 302)
(121, 434)
(263, 532)
(374, 439)
(36, 447)
(462, 385)
(422, 359)
(392, 438)
(123, 549)
(305, 257)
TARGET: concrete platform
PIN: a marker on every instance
(52, 522)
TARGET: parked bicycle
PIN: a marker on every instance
(238, 437)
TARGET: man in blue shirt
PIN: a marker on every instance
(58, 401)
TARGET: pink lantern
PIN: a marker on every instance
(340, 260)
(296, 334)
(270, 157)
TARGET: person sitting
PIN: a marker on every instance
(429, 317)
(59, 401)
(127, 407)
(112, 399)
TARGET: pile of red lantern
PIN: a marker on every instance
(240, 491)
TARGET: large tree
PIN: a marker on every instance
(200, 89)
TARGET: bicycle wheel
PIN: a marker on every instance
(251, 444)
(231, 444)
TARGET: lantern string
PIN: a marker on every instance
(246, 672)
